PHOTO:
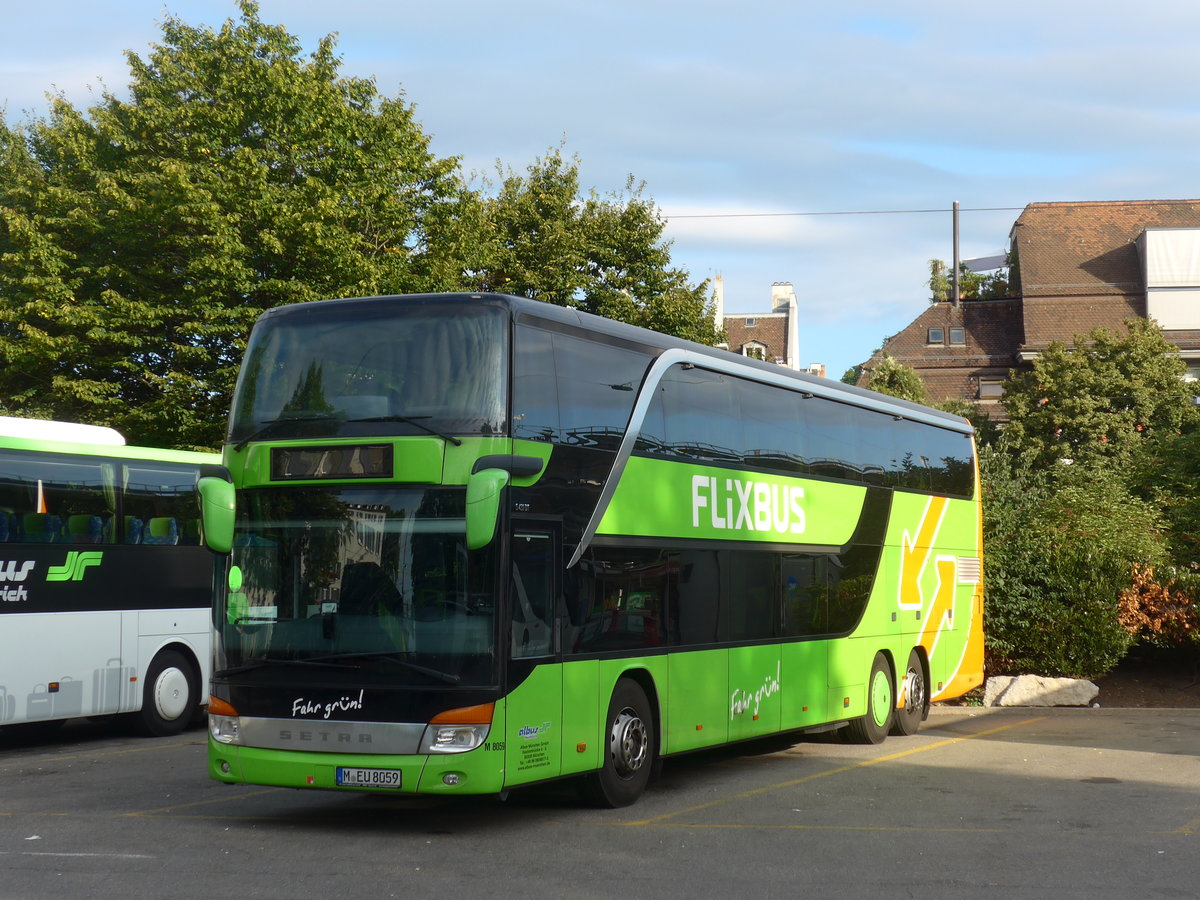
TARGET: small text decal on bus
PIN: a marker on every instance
(14, 571)
(302, 707)
(748, 505)
(742, 700)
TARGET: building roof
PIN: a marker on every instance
(1079, 265)
(769, 329)
(1089, 248)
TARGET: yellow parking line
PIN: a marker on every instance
(221, 799)
(838, 771)
(29, 761)
(1192, 827)
(924, 829)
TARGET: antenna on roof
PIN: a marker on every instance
(954, 276)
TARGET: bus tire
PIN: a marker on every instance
(914, 689)
(629, 753)
(881, 705)
(169, 696)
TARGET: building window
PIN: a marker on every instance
(936, 336)
(755, 350)
(958, 336)
(991, 388)
(750, 321)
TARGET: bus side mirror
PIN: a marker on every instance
(483, 505)
(217, 508)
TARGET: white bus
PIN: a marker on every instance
(105, 584)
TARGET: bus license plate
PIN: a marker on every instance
(376, 778)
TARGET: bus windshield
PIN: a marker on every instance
(375, 582)
(374, 368)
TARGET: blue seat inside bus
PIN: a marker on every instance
(42, 528)
(133, 530)
(85, 529)
(162, 530)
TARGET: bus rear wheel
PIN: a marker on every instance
(914, 690)
(628, 751)
(881, 702)
(169, 695)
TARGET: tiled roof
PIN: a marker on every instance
(1072, 249)
(993, 331)
(770, 330)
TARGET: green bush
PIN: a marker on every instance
(1060, 545)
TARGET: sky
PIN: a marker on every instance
(812, 143)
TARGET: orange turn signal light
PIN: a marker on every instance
(466, 715)
(219, 707)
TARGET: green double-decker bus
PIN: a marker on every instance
(477, 541)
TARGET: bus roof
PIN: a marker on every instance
(41, 435)
(48, 430)
(524, 308)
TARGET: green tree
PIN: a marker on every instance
(1062, 545)
(1167, 474)
(1099, 399)
(888, 375)
(140, 240)
(971, 285)
(603, 254)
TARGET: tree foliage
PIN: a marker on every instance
(1101, 398)
(889, 376)
(971, 285)
(601, 254)
(141, 238)
(1061, 548)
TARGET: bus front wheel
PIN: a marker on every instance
(628, 750)
(881, 702)
(169, 695)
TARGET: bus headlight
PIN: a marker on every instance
(458, 730)
(224, 729)
(453, 738)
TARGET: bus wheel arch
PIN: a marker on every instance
(171, 692)
(873, 727)
(629, 745)
(913, 684)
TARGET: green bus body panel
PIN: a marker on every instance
(582, 747)
(534, 736)
(663, 498)
(755, 692)
(805, 680)
(697, 713)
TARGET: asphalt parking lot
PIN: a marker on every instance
(1024, 803)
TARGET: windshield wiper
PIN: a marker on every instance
(267, 427)
(277, 662)
(412, 420)
(391, 656)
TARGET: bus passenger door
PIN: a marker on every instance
(534, 706)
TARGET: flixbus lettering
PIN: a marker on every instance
(748, 505)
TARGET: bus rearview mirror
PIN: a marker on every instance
(217, 508)
(483, 505)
